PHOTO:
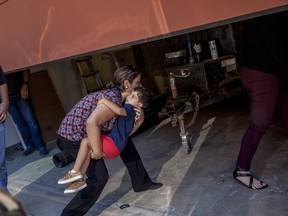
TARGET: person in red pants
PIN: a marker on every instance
(264, 73)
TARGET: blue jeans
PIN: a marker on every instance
(3, 169)
(27, 124)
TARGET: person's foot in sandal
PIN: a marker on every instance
(247, 179)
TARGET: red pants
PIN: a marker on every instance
(108, 147)
(265, 95)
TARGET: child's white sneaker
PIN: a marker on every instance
(70, 177)
(75, 186)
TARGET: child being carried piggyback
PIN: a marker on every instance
(113, 142)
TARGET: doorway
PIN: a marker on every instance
(47, 106)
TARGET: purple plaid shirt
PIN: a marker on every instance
(73, 126)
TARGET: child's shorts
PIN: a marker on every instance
(108, 147)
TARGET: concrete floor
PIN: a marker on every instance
(198, 184)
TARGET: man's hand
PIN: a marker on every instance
(25, 91)
(3, 112)
(4, 103)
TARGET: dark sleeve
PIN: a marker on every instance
(265, 43)
(275, 36)
(2, 77)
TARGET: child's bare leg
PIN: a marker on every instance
(82, 155)
(76, 174)
(85, 164)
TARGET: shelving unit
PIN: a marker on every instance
(213, 80)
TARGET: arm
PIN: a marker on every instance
(113, 107)
(5, 102)
(25, 85)
(98, 117)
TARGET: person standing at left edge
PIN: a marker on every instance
(4, 103)
(22, 113)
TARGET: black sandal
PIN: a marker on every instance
(238, 173)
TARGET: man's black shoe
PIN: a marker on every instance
(28, 151)
(153, 186)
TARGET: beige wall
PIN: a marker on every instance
(64, 79)
(68, 89)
